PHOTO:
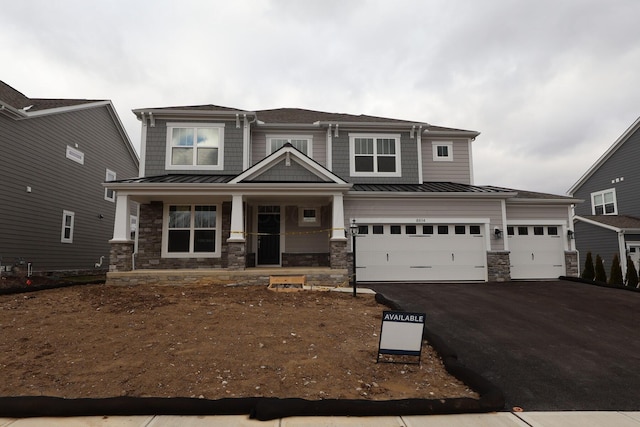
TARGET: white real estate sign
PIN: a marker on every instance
(401, 333)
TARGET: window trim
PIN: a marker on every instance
(72, 215)
(375, 137)
(107, 178)
(191, 254)
(449, 145)
(75, 155)
(308, 138)
(602, 193)
(193, 125)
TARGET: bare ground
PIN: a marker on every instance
(205, 341)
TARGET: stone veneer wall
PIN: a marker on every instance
(120, 256)
(237, 256)
(305, 259)
(571, 264)
(150, 241)
(498, 266)
(338, 257)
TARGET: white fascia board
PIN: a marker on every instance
(13, 111)
(376, 195)
(597, 224)
(425, 220)
(265, 188)
(614, 147)
(68, 109)
(533, 221)
(517, 201)
(164, 113)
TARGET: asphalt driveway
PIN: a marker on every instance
(548, 345)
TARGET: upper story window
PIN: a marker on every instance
(109, 194)
(442, 151)
(604, 202)
(374, 155)
(195, 146)
(301, 143)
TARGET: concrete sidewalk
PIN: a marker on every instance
(500, 419)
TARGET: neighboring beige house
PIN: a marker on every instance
(233, 192)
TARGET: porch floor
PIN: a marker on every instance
(316, 276)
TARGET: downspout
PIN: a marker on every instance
(622, 249)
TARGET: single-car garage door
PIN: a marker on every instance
(537, 252)
(438, 252)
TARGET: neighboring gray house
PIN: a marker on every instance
(608, 222)
(54, 212)
(228, 194)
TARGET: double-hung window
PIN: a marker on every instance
(110, 194)
(191, 230)
(374, 155)
(68, 219)
(195, 146)
(301, 143)
(604, 202)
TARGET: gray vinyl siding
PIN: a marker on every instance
(409, 160)
(622, 164)
(458, 170)
(408, 208)
(318, 144)
(34, 155)
(156, 149)
(306, 239)
(292, 173)
(598, 241)
(539, 212)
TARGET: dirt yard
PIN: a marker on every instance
(204, 341)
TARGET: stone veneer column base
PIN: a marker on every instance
(498, 266)
(236, 256)
(121, 256)
(572, 269)
(338, 254)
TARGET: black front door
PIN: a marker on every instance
(268, 239)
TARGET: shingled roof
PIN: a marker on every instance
(19, 101)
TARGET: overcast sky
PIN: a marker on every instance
(549, 84)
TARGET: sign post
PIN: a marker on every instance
(401, 334)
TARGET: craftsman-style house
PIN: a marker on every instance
(228, 193)
(55, 215)
(608, 223)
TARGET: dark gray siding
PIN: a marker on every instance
(598, 241)
(622, 164)
(409, 158)
(156, 149)
(283, 173)
(34, 155)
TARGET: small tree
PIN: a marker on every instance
(588, 273)
(615, 277)
(601, 276)
(631, 278)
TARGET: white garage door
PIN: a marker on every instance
(421, 252)
(537, 252)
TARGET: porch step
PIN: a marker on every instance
(291, 283)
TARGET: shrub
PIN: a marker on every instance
(631, 278)
(601, 276)
(615, 278)
(588, 273)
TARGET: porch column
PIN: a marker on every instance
(121, 253)
(337, 226)
(237, 254)
(237, 220)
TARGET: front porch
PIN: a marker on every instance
(320, 276)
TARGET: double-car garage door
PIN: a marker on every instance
(453, 252)
(430, 252)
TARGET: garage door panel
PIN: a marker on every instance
(536, 256)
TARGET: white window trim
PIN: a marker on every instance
(309, 139)
(449, 146)
(66, 214)
(165, 232)
(219, 166)
(75, 155)
(110, 176)
(602, 193)
(307, 223)
(375, 136)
